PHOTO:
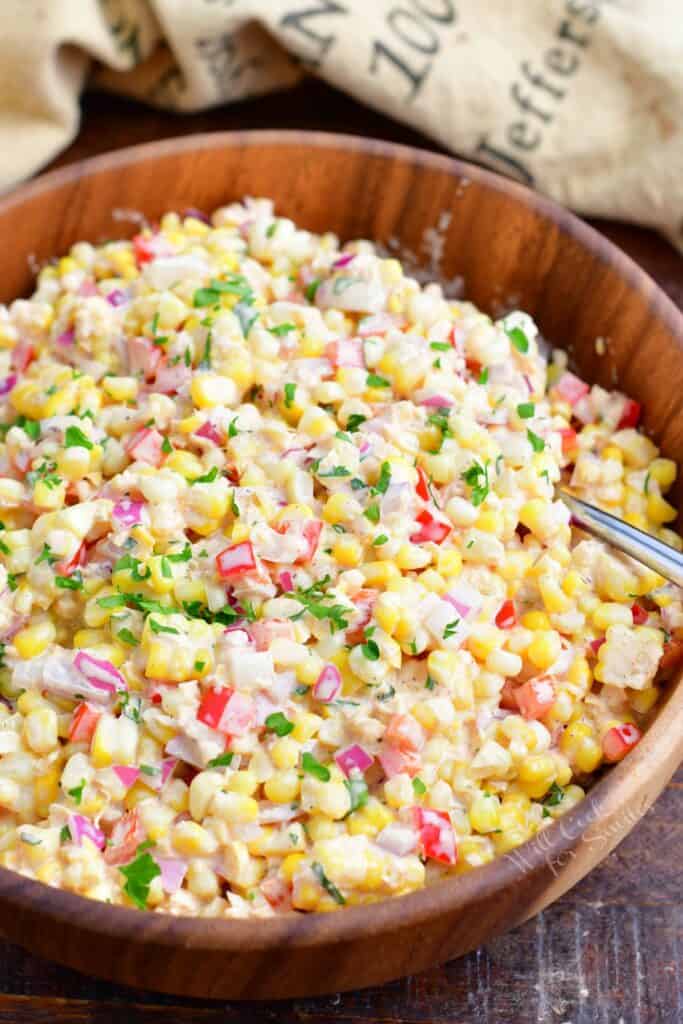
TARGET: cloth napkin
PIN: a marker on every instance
(581, 99)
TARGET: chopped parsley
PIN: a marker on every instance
(222, 761)
(526, 410)
(312, 288)
(75, 438)
(375, 381)
(281, 329)
(536, 442)
(157, 627)
(313, 767)
(358, 793)
(290, 391)
(327, 885)
(354, 421)
(419, 787)
(76, 793)
(207, 478)
(372, 512)
(484, 376)
(279, 724)
(450, 629)
(518, 338)
(45, 556)
(370, 650)
(477, 477)
(139, 875)
(73, 582)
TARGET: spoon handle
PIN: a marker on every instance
(653, 553)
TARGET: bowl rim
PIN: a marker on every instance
(662, 741)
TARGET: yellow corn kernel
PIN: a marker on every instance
(40, 730)
(484, 813)
(46, 790)
(161, 574)
(121, 389)
(32, 640)
(425, 716)
(191, 840)
(49, 496)
(369, 820)
(544, 649)
(449, 563)
(579, 673)
(442, 666)
(185, 463)
(208, 390)
(306, 726)
(663, 472)
(308, 669)
(611, 451)
(386, 613)
(412, 556)
(537, 516)
(244, 782)
(658, 510)
(554, 600)
(291, 864)
(348, 552)
(285, 752)
(490, 520)
(483, 639)
(612, 614)
(340, 508)
(381, 573)
(536, 774)
(307, 896)
(573, 583)
(535, 620)
(283, 786)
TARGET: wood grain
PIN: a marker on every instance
(414, 994)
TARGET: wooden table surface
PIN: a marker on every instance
(609, 952)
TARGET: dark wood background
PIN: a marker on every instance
(609, 952)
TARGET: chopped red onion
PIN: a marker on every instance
(353, 757)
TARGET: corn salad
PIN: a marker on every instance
(290, 617)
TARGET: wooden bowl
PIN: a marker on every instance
(509, 245)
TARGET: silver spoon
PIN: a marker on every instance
(653, 553)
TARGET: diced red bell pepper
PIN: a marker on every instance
(83, 723)
(437, 836)
(75, 562)
(235, 561)
(363, 603)
(226, 711)
(345, 352)
(630, 416)
(396, 762)
(210, 433)
(422, 487)
(473, 366)
(571, 388)
(507, 616)
(569, 440)
(126, 836)
(311, 531)
(431, 529)
(507, 696)
(144, 248)
(144, 357)
(213, 705)
(639, 614)
(146, 446)
(277, 892)
(617, 741)
(405, 733)
(22, 355)
(535, 697)
(672, 654)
